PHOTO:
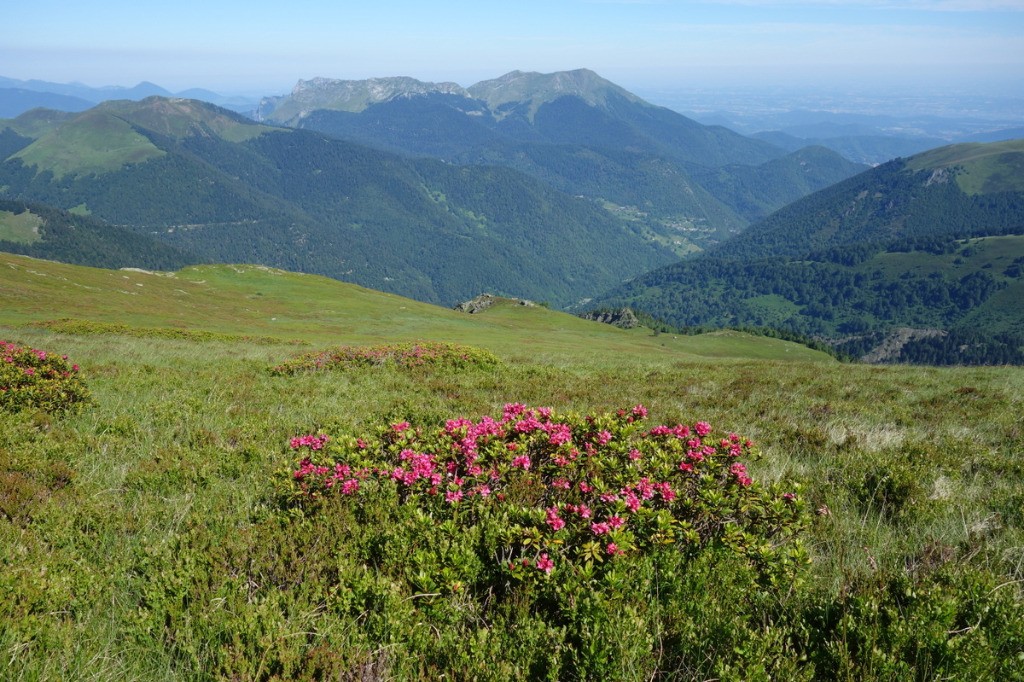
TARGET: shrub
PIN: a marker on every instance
(550, 495)
(584, 530)
(37, 379)
(403, 355)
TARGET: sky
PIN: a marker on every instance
(255, 47)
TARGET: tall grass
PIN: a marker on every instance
(143, 538)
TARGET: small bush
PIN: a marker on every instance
(403, 355)
(583, 526)
(552, 495)
(37, 379)
(88, 327)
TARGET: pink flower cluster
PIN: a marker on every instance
(312, 442)
(559, 463)
(30, 377)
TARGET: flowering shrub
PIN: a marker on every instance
(563, 494)
(405, 355)
(37, 379)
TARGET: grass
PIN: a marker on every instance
(150, 548)
(22, 228)
(256, 300)
(988, 168)
(94, 142)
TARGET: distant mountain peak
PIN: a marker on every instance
(527, 89)
(178, 117)
(347, 95)
(537, 89)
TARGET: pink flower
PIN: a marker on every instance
(615, 522)
(634, 454)
(522, 461)
(545, 564)
(400, 427)
(603, 437)
(600, 528)
(702, 428)
(740, 472)
(640, 411)
(558, 433)
(553, 520)
(612, 548)
(453, 496)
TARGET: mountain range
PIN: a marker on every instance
(552, 187)
(225, 188)
(687, 184)
(20, 96)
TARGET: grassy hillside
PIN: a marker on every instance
(100, 143)
(255, 300)
(155, 534)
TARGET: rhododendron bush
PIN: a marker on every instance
(532, 495)
(37, 379)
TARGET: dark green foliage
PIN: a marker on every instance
(951, 623)
(80, 240)
(757, 191)
(11, 142)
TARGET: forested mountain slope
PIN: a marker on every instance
(225, 188)
(934, 242)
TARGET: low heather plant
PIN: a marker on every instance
(403, 355)
(38, 379)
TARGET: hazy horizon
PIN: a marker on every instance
(260, 48)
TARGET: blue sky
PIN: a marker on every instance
(257, 47)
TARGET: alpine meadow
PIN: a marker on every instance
(389, 379)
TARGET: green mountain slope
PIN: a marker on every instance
(906, 198)
(247, 300)
(900, 246)
(213, 183)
